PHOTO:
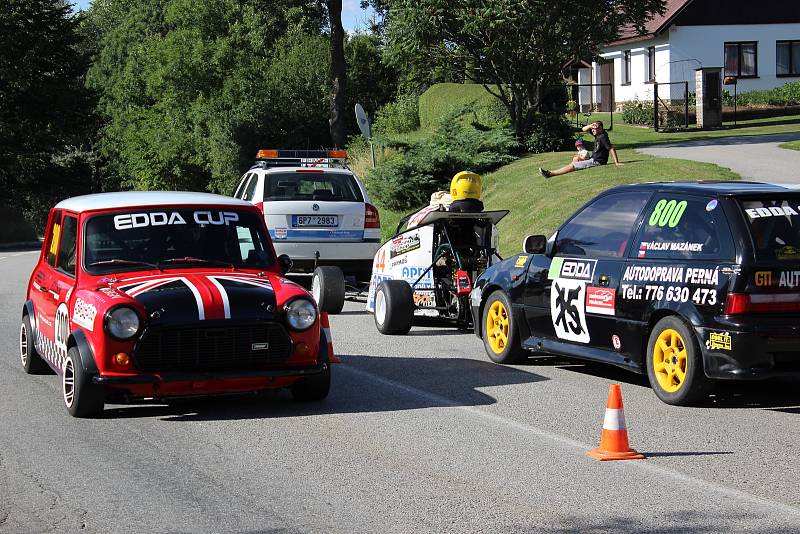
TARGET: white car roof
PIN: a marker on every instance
(136, 199)
(332, 170)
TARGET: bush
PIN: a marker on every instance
(549, 133)
(785, 95)
(400, 116)
(637, 112)
(406, 180)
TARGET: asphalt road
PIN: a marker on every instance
(753, 157)
(420, 434)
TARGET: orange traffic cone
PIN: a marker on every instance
(614, 437)
(326, 327)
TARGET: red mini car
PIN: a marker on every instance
(144, 295)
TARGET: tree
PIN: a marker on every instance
(515, 48)
(338, 75)
(46, 121)
(190, 89)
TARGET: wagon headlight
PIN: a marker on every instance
(122, 323)
(300, 314)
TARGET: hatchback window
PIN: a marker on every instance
(604, 227)
(67, 247)
(775, 228)
(684, 227)
(167, 238)
(310, 185)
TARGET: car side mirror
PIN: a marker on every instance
(285, 262)
(535, 244)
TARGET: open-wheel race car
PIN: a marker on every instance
(427, 269)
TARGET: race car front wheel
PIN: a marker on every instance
(674, 363)
(500, 334)
(394, 307)
(32, 363)
(327, 288)
(81, 397)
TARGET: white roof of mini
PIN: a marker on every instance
(137, 199)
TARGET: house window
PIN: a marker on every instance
(788, 58)
(741, 59)
(651, 63)
(626, 67)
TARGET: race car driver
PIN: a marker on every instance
(465, 189)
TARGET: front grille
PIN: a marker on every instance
(212, 348)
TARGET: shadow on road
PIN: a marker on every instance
(363, 384)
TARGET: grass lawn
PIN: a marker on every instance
(538, 206)
(794, 145)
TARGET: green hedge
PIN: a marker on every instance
(442, 98)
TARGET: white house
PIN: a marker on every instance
(757, 42)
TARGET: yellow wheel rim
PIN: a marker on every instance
(670, 361)
(497, 327)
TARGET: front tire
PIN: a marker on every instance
(327, 288)
(500, 332)
(394, 307)
(81, 396)
(312, 388)
(32, 363)
(675, 364)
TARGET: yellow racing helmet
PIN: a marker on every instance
(465, 185)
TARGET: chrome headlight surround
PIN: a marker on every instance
(122, 323)
(301, 314)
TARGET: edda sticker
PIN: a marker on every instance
(126, 221)
(572, 269)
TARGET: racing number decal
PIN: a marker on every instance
(567, 310)
(667, 213)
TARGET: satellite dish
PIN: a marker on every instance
(363, 122)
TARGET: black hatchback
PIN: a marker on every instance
(686, 282)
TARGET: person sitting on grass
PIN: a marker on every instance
(582, 154)
(602, 147)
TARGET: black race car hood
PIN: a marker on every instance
(175, 298)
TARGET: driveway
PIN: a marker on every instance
(753, 157)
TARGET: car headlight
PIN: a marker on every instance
(122, 323)
(300, 314)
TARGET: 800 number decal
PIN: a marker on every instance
(667, 213)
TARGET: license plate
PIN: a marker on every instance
(315, 220)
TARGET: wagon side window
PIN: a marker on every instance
(683, 227)
(603, 228)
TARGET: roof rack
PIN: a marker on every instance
(331, 159)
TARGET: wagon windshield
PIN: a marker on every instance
(168, 238)
(775, 228)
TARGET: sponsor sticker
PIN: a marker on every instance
(83, 314)
(403, 244)
(424, 299)
(259, 346)
(281, 233)
(616, 342)
(719, 341)
(600, 300)
(520, 262)
(663, 273)
(790, 279)
(712, 205)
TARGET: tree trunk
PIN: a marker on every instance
(338, 76)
